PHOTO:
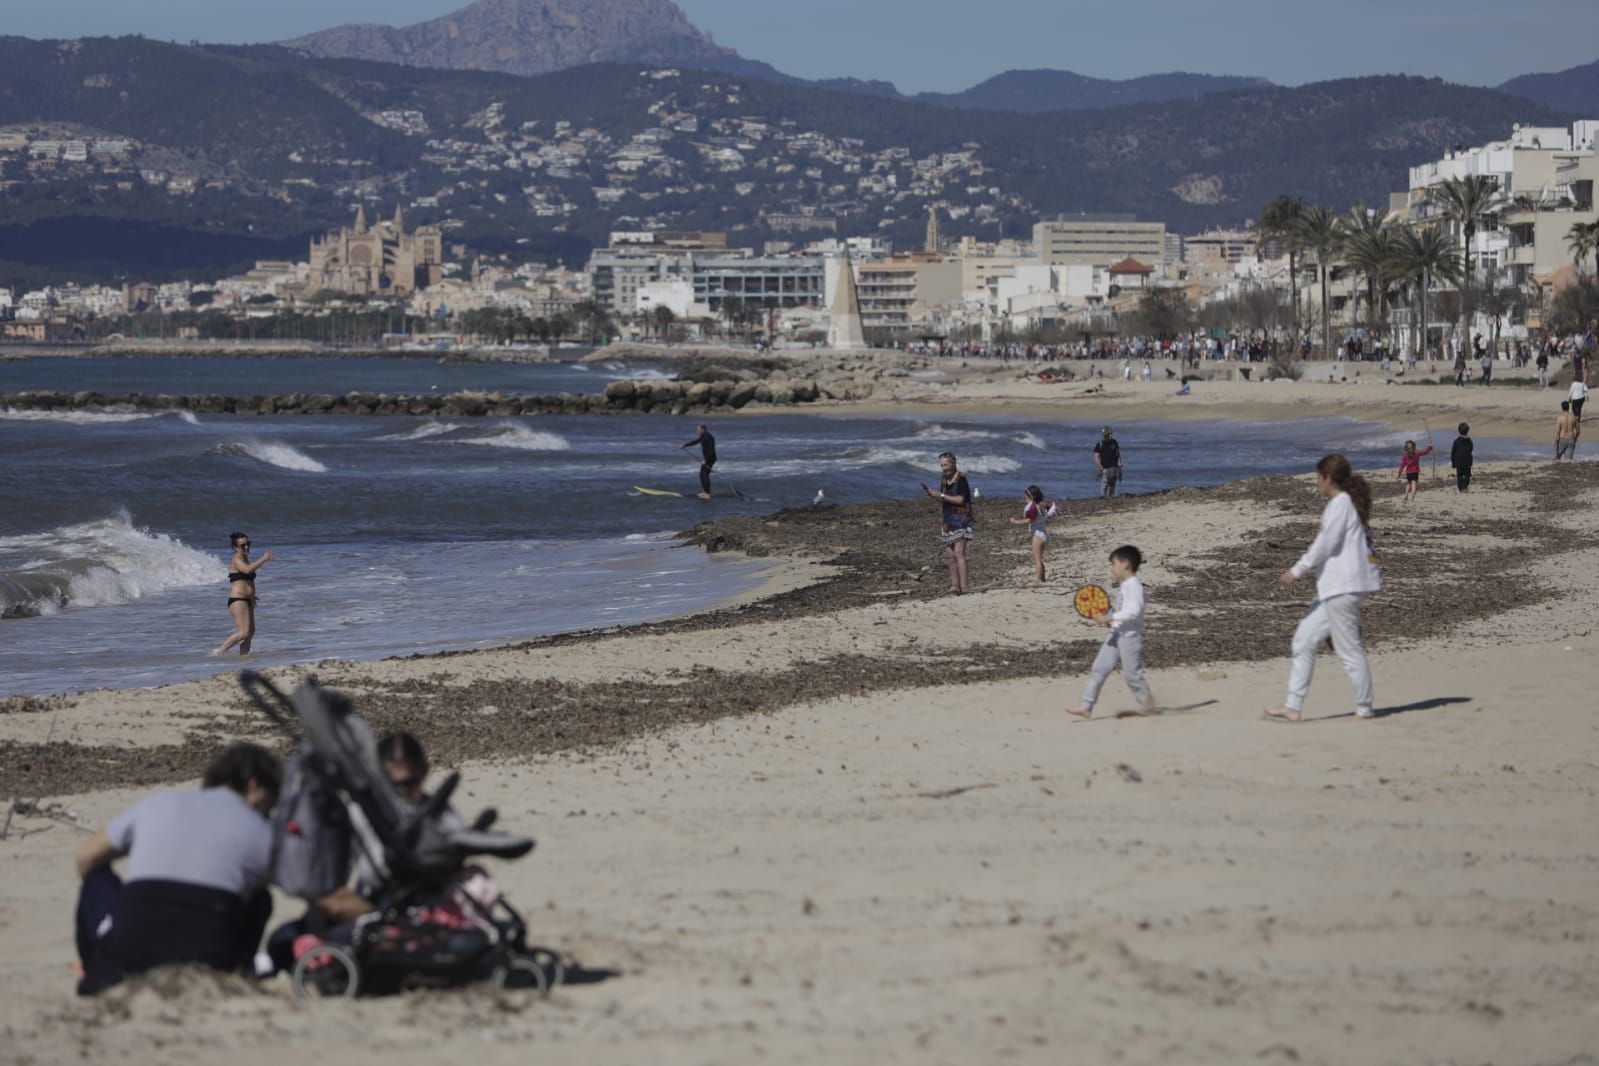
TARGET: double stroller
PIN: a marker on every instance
(439, 921)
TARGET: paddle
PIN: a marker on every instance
(1091, 601)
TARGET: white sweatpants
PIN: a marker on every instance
(1125, 647)
(1338, 617)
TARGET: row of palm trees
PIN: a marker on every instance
(1388, 255)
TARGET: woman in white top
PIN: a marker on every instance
(1346, 573)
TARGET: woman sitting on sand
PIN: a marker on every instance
(241, 593)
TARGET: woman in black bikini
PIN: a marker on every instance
(241, 593)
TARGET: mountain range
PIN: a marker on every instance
(531, 37)
(239, 151)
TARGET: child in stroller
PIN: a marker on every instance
(435, 919)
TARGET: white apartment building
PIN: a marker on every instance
(1546, 177)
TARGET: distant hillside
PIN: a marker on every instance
(1030, 91)
(530, 37)
(269, 144)
(1575, 90)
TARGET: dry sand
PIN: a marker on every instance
(850, 822)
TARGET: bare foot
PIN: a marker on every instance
(1080, 712)
(704, 495)
(1282, 714)
(215, 652)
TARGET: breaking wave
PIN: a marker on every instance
(282, 456)
(101, 417)
(424, 431)
(520, 438)
(93, 564)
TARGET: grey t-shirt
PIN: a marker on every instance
(207, 837)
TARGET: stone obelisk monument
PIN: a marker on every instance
(845, 331)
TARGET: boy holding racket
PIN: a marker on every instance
(1125, 644)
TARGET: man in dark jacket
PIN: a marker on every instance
(1460, 458)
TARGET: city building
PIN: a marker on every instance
(780, 282)
(1098, 239)
(899, 293)
(1545, 176)
(1219, 249)
(381, 260)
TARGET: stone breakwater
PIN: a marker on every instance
(658, 397)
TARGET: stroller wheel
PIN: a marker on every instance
(551, 963)
(521, 972)
(327, 971)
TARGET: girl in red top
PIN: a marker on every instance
(1410, 468)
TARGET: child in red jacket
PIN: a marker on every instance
(1410, 468)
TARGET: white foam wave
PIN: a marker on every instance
(103, 416)
(93, 564)
(651, 374)
(520, 438)
(424, 431)
(79, 418)
(1032, 440)
(923, 460)
(937, 432)
(282, 456)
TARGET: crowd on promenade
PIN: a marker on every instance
(1475, 354)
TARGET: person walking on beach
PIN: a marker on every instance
(1577, 397)
(707, 446)
(1485, 361)
(1460, 367)
(1567, 430)
(1035, 516)
(959, 526)
(1460, 458)
(241, 593)
(1125, 643)
(1108, 460)
(1346, 574)
(1410, 469)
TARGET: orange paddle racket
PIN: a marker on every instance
(1091, 601)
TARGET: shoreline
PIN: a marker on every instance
(840, 613)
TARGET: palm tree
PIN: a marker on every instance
(1277, 223)
(664, 317)
(1582, 241)
(1421, 255)
(1467, 203)
(1318, 232)
(1367, 246)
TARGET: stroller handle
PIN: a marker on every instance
(431, 808)
(270, 699)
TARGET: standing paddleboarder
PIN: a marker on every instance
(707, 446)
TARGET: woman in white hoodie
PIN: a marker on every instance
(1346, 573)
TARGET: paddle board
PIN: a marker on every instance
(654, 492)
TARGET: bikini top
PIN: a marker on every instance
(240, 575)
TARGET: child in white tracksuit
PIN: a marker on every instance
(1125, 645)
(1346, 566)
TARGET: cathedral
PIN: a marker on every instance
(380, 260)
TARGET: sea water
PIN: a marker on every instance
(400, 534)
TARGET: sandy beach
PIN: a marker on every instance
(847, 820)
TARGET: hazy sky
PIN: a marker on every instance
(952, 44)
